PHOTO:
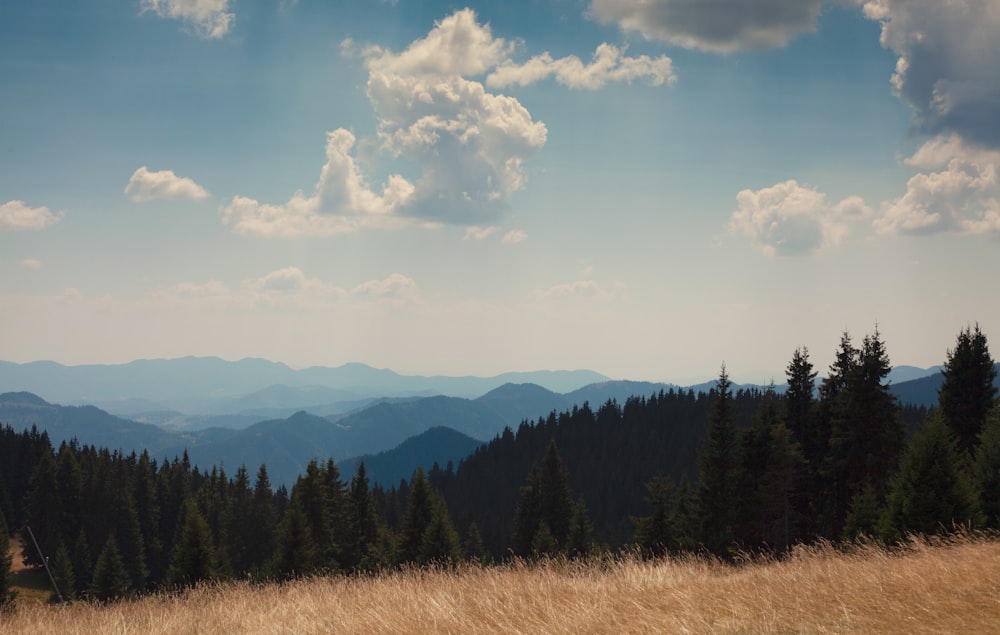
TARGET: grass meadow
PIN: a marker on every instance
(940, 586)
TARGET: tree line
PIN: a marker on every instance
(718, 472)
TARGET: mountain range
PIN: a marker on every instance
(286, 425)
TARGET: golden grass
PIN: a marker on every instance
(944, 587)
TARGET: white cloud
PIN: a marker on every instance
(478, 233)
(208, 18)
(956, 190)
(469, 145)
(341, 200)
(31, 263)
(577, 289)
(946, 68)
(609, 64)
(16, 216)
(717, 25)
(394, 287)
(514, 237)
(164, 184)
(790, 220)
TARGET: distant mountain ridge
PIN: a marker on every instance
(205, 385)
(286, 442)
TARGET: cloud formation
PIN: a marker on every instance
(208, 18)
(956, 190)
(341, 201)
(164, 184)
(947, 68)
(16, 216)
(434, 112)
(719, 26)
(609, 64)
(788, 219)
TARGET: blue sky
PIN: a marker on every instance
(642, 188)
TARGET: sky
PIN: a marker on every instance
(644, 188)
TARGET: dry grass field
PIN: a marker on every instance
(940, 587)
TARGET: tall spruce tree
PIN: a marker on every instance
(811, 433)
(932, 493)
(417, 518)
(986, 469)
(545, 500)
(295, 553)
(968, 392)
(262, 532)
(440, 543)
(654, 533)
(718, 476)
(361, 540)
(193, 558)
(110, 579)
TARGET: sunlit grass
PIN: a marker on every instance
(945, 586)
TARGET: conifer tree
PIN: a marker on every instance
(545, 497)
(62, 573)
(986, 469)
(931, 494)
(42, 512)
(811, 433)
(580, 537)
(361, 542)
(685, 519)
(147, 507)
(7, 594)
(417, 518)
(654, 533)
(313, 499)
(440, 543)
(718, 472)
(193, 558)
(262, 532)
(82, 562)
(472, 546)
(295, 553)
(968, 392)
(111, 579)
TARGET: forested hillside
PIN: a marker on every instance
(672, 471)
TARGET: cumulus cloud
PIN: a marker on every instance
(207, 18)
(394, 287)
(718, 25)
(946, 68)
(164, 184)
(341, 201)
(31, 263)
(514, 237)
(16, 216)
(956, 190)
(478, 233)
(590, 289)
(609, 64)
(788, 219)
(434, 112)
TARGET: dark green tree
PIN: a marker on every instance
(931, 494)
(654, 533)
(417, 518)
(42, 511)
(968, 392)
(472, 546)
(580, 537)
(986, 469)
(193, 558)
(295, 553)
(811, 432)
(62, 573)
(111, 579)
(718, 464)
(147, 507)
(440, 543)
(262, 532)
(7, 594)
(312, 495)
(82, 563)
(545, 497)
(361, 540)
